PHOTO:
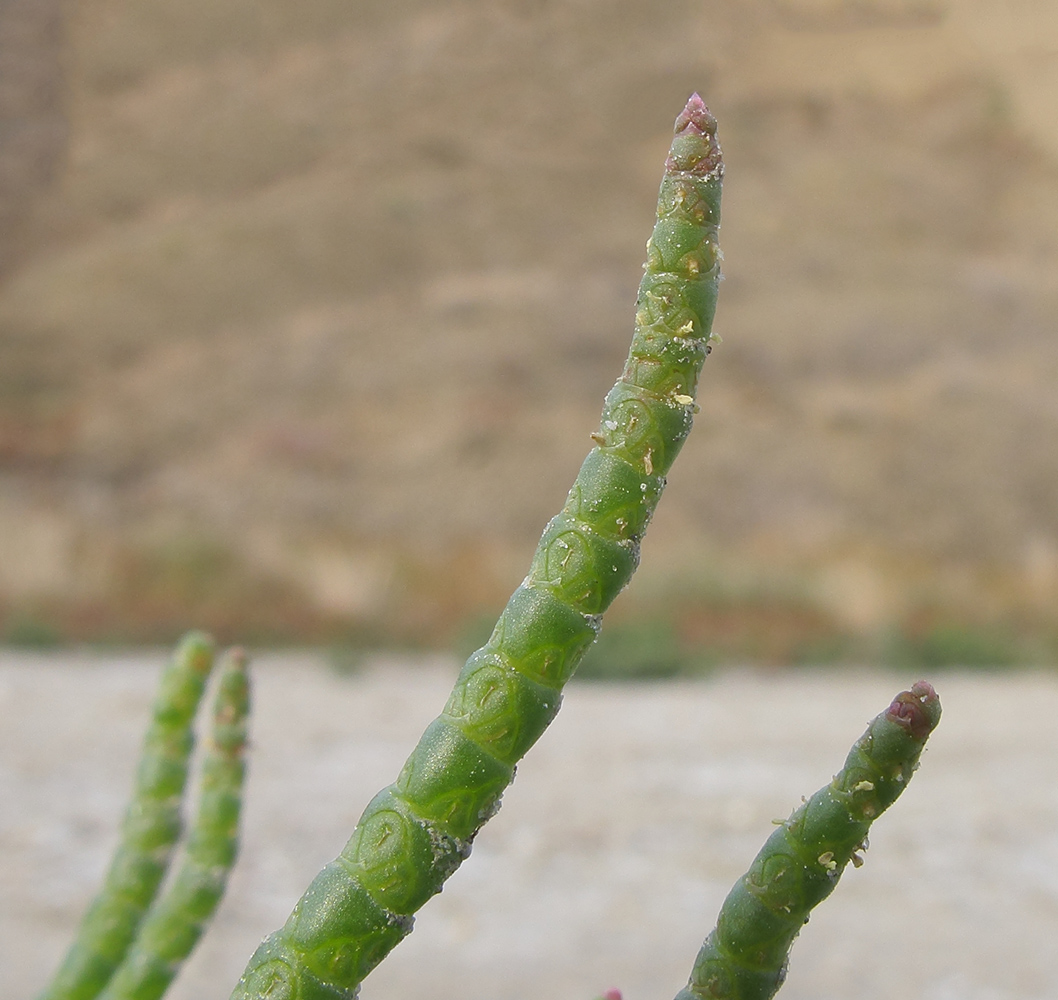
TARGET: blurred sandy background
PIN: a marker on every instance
(308, 308)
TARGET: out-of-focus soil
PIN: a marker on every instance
(314, 315)
(614, 848)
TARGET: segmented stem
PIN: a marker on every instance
(745, 956)
(149, 833)
(178, 917)
(416, 832)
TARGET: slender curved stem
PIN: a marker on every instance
(416, 832)
(178, 917)
(149, 833)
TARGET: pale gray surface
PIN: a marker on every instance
(615, 846)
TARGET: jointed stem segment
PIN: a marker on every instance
(149, 834)
(745, 956)
(416, 832)
(175, 922)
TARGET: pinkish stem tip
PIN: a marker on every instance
(695, 149)
(697, 116)
(918, 710)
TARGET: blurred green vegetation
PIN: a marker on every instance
(644, 642)
(644, 650)
(698, 638)
(27, 631)
(956, 645)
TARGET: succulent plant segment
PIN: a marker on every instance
(178, 917)
(416, 832)
(149, 834)
(745, 956)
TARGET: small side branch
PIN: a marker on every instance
(745, 957)
(178, 917)
(149, 833)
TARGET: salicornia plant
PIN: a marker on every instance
(131, 943)
(745, 956)
(417, 831)
(178, 917)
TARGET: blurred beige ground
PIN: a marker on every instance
(308, 307)
(614, 847)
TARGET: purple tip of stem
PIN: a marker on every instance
(612, 995)
(697, 116)
(917, 710)
(695, 150)
(923, 690)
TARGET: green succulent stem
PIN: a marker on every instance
(416, 832)
(178, 917)
(149, 834)
(745, 957)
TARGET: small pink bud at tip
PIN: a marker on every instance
(695, 148)
(918, 710)
(923, 690)
(612, 995)
(697, 116)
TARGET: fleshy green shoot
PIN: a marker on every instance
(416, 832)
(745, 957)
(177, 919)
(149, 833)
(131, 943)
